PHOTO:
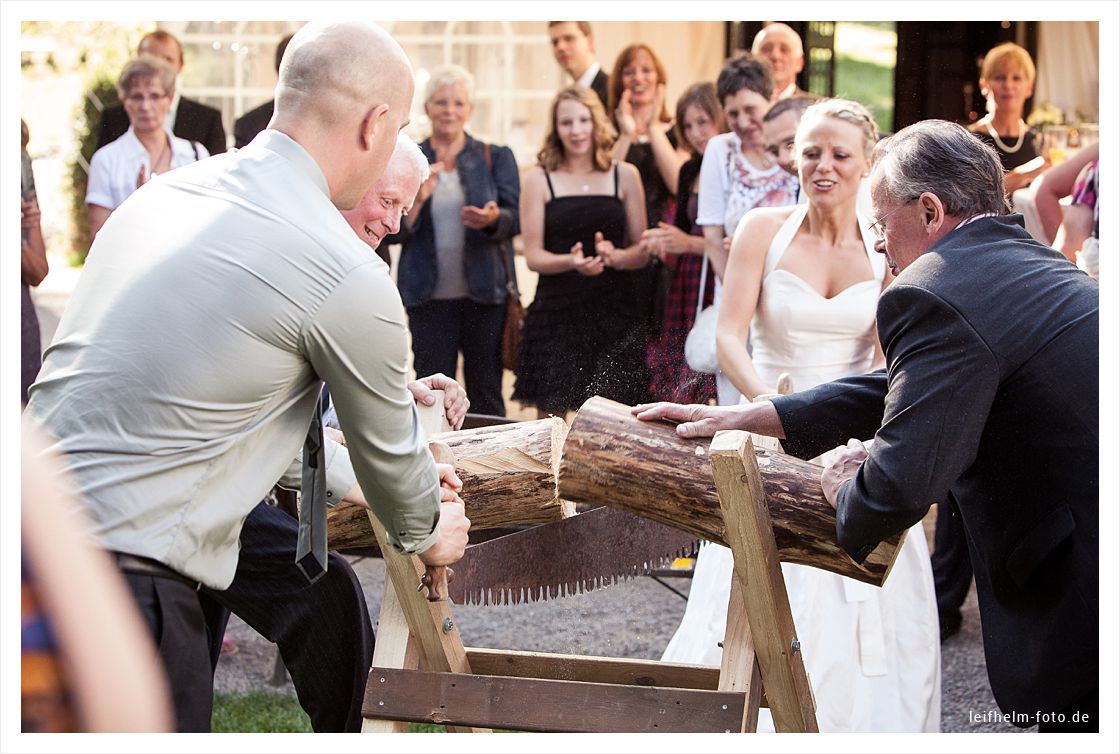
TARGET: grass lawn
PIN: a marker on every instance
(268, 712)
(865, 60)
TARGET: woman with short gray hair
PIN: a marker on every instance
(148, 148)
(457, 244)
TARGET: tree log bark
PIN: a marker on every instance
(613, 458)
(509, 479)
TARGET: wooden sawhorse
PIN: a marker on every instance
(475, 690)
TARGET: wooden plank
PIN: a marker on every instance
(739, 669)
(394, 649)
(750, 536)
(550, 705)
(564, 667)
(433, 418)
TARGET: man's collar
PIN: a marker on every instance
(291, 150)
(589, 75)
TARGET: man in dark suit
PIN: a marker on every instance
(256, 120)
(989, 405)
(574, 48)
(189, 120)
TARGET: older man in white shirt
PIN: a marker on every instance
(188, 365)
(781, 46)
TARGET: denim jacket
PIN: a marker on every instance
(486, 277)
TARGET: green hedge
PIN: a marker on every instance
(87, 117)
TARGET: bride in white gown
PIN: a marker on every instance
(806, 280)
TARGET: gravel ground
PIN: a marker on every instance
(630, 619)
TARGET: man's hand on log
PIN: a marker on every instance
(841, 471)
(455, 402)
(704, 421)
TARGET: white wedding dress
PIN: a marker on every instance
(873, 655)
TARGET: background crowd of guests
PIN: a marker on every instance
(748, 194)
(727, 149)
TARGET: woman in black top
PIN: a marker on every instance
(582, 216)
(637, 100)
(1007, 80)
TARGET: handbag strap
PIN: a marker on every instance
(501, 247)
(703, 286)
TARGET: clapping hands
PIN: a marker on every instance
(428, 186)
(481, 217)
(624, 115)
(589, 266)
(665, 240)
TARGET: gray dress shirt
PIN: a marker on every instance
(186, 367)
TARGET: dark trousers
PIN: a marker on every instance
(323, 629)
(174, 615)
(952, 566)
(1083, 716)
(442, 328)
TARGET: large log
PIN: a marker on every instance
(612, 458)
(509, 479)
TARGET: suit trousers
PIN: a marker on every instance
(442, 327)
(174, 616)
(952, 565)
(323, 629)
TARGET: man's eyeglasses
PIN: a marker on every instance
(878, 229)
(138, 99)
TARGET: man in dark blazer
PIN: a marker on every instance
(256, 120)
(989, 405)
(573, 46)
(192, 120)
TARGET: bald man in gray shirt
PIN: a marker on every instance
(186, 369)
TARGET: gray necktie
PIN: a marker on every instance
(311, 548)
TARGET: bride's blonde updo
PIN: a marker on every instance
(849, 112)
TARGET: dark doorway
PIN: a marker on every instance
(938, 66)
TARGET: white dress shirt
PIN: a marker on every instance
(589, 75)
(185, 370)
(115, 167)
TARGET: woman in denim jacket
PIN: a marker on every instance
(450, 275)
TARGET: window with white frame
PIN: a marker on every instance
(230, 65)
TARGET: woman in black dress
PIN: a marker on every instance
(582, 217)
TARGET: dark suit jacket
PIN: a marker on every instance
(194, 122)
(989, 400)
(599, 86)
(252, 123)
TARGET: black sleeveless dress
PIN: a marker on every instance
(582, 336)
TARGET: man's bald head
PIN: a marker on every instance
(342, 66)
(343, 93)
(780, 44)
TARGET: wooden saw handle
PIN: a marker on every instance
(435, 577)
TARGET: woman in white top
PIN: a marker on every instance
(148, 148)
(806, 280)
(738, 173)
